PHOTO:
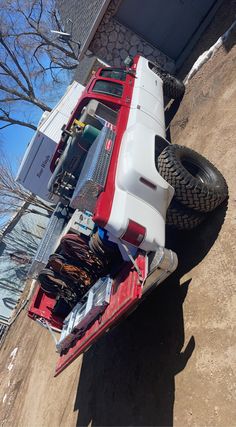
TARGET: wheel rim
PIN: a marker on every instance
(196, 170)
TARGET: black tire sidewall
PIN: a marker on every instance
(183, 218)
(202, 195)
(172, 87)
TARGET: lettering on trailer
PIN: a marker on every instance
(43, 165)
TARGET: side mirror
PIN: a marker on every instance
(128, 61)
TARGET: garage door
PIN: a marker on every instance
(168, 25)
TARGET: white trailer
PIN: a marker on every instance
(34, 171)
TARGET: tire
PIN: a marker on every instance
(69, 180)
(49, 281)
(173, 88)
(65, 192)
(182, 218)
(197, 183)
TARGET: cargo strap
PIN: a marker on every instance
(47, 325)
(133, 262)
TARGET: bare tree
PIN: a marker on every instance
(32, 62)
(13, 195)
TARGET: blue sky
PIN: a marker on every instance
(14, 141)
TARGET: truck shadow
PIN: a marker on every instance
(128, 377)
(192, 246)
(170, 112)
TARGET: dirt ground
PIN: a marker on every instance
(173, 361)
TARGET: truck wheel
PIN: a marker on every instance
(173, 88)
(65, 191)
(182, 218)
(197, 183)
(68, 180)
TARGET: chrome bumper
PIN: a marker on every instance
(160, 265)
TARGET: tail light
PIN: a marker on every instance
(134, 233)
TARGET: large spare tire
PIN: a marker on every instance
(183, 218)
(197, 183)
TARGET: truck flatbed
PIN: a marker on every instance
(131, 284)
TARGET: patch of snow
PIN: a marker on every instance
(14, 353)
(208, 53)
(10, 366)
(12, 356)
(4, 398)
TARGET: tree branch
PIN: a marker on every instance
(26, 98)
(30, 60)
(16, 62)
(13, 121)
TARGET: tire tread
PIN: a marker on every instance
(189, 190)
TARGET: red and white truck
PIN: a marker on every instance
(114, 170)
